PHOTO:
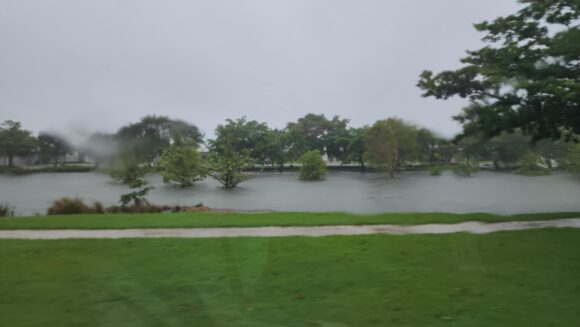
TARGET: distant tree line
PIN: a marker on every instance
(173, 148)
(18, 142)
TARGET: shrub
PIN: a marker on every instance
(68, 206)
(313, 167)
(6, 210)
(464, 169)
(529, 166)
(182, 165)
(435, 171)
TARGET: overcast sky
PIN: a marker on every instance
(79, 66)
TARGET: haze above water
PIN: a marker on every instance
(341, 191)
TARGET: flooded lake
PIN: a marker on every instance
(341, 191)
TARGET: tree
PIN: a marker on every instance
(139, 190)
(529, 165)
(390, 142)
(356, 148)
(571, 161)
(508, 148)
(227, 158)
(337, 139)
(277, 151)
(228, 168)
(52, 147)
(429, 145)
(316, 132)
(146, 139)
(251, 137)
(182, 164)
(15, 141)
(313, 167)
(528, 77)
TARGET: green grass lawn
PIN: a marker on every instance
(175, 220)
(526, 278)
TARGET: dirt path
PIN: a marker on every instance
(468, 227)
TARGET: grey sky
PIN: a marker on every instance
(83, 65)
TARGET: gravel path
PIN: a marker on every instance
(468, 227)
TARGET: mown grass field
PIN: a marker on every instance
(176, 220)
(526, 278)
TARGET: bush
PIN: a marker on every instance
(313, 167)
(529, 166)
(6, 210)
(465, 169)
(435, 171)
(68, 206)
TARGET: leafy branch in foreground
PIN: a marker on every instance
(527, 77)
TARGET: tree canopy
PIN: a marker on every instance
(52, 147)
(15, 141)
(147, 138)
(527, 77)
(182, 165)
(390, 142)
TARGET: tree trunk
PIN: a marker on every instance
(10, 159)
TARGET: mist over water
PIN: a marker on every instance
(341, 191)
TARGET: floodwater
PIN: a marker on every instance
(341, 191)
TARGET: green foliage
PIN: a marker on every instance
(316, 132)
(508, 148)
(140, 188)
(465, 166)
(228, 168)
(127, 174)
(390, 142)
(313, 167)
(6, 210)
(52, 147)
(357, 148)
(181, 164)
(528, 77)
(435, 171)
(529, 165)
(277, 151)
(15, 141)
(571, 161)
(147, 139)
(229, 156)
(249, 137)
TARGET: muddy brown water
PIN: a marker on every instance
(341, 191)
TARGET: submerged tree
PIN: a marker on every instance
(181, 164)
(312, 166)
(390, 142)
(357, 148)
(528, 77)
(227, 161)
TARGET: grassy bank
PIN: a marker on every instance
(176, 220)
(502, 279)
